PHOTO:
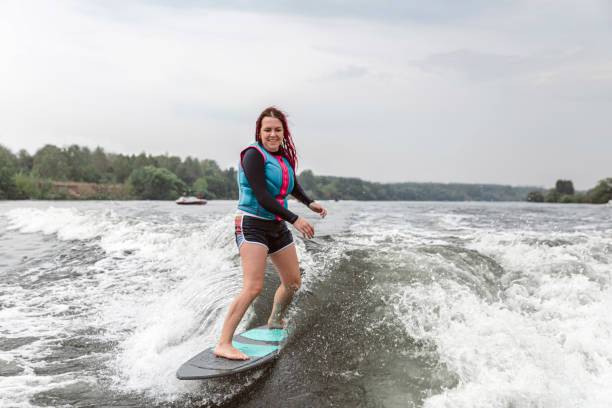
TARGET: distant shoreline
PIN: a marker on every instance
(78, 173)
(82, 191)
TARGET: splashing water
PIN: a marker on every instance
(402, 304)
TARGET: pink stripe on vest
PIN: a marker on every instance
(284, 185)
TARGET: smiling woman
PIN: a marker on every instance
(266, 177)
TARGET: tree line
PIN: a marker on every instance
(564, 192)
(345, 188)
(161, 177)
(165, 177)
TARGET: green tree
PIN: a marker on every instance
(306, 179)
(552, 196)
(564, 187)
(231, 176)
(601, 193)
(24, 161)
(220, 183)
(190, 170)
(27, 186)
(535, 196)
(8, 163)
(141, 161)
(51, 162)
(151, 183)
(209, 167)
(168, 162)
(7, 158)
(201, 187)
(80, 165)
(8, 188)
(121, 167)
(216, 186)
(101, 165)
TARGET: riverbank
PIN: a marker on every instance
(89, 191)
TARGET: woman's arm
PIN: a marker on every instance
(253, 166)
(299, 193)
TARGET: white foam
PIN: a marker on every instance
(161, 290)
(67, 223)
(15, 395)
(155, 290)
(546, 342)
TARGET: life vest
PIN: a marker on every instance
(279, 180)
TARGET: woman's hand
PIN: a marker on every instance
(304, 227)
(318, 208)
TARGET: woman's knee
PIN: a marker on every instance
(253, 290)
(294, 285)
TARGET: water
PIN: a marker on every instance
(403, 304)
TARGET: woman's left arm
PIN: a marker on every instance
(299, 193)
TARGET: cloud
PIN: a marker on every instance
(349, 72)
(477, 65)
(389, 10)
(576, 74)
(428, 91)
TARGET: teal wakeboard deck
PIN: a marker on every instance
(260, 344)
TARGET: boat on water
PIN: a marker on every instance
(191, 200)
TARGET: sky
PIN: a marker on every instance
(474, 91)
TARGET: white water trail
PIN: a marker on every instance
(159, 291)
(545, 342)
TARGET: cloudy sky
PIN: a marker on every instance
(476, 91)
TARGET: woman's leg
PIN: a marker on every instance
(286, 263)
(253, 257)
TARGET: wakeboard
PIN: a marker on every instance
(261, 344)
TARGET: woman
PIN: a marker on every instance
(265, 177)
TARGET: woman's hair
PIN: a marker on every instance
(287, 148)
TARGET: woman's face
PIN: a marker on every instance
(271, 133)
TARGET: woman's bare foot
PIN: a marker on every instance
(229, 351)
(275, 324)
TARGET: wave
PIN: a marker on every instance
(543, 340)
(438, 306)
(155, 295)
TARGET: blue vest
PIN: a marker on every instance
(279, 180)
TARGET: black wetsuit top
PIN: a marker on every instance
(253, 166)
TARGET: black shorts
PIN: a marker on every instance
(272, 234)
